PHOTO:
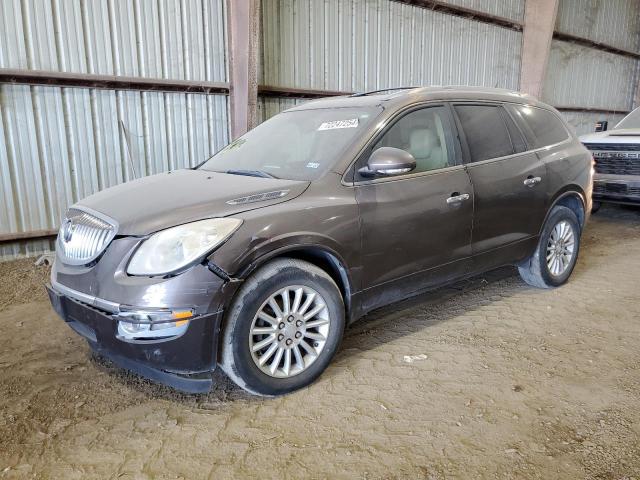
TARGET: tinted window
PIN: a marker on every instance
(545, 127)
(425, 134)
(486, 131)
(517, 139)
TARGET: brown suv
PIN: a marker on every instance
(259, 257)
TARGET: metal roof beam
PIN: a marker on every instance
(111, 82)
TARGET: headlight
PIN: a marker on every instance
(169, 250)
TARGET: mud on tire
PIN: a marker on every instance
(536, 270)
(280, 282)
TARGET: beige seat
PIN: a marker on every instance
(425, 147)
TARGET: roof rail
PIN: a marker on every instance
(362, 94)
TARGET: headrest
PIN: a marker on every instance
(422, 142)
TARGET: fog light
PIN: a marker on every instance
(152, 324)
(133, 329)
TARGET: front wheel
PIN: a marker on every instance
(283, 328)
(555, 256)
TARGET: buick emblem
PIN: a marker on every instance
(67, 230)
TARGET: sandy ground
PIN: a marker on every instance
(490, 379)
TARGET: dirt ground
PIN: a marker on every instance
(487, 379)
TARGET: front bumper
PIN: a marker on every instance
(617, 188)
(184, 362)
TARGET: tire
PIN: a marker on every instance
(595, 206)
(535, 270)
(278, 280)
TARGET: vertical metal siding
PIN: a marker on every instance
(580, 76)
(511, 9)
(585, 122)
(270, 106)
(28, 248)
(613, 22)
(365, 45)
(51, 158)
(58, 145)
(173, 39)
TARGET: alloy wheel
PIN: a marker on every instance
(560, 248)
(289, 331)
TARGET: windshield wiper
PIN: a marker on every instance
(251, 173)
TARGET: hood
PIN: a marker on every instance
(161, 201)
(622, 135)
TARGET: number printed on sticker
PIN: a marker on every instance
(351, 123)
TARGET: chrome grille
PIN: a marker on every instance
(614, 147)
(616, 159)
(602, 188)
(617, 166)
(84, 236)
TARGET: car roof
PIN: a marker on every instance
(405, 96)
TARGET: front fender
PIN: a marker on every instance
(317, 249)
(281, 245)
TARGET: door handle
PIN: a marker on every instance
(457, 198)
(531, 181)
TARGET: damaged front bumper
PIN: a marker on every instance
(182, 355)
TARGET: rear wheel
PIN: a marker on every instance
(283, 329)
(555, 256)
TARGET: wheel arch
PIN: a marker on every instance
(572, 197)
(321, 256)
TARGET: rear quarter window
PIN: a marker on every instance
(542, 127)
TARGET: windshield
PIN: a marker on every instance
(297, 145)
(630, 121)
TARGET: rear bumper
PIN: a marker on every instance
(617, 188)
(184, 362)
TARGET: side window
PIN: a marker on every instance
(545, 128)
(517, 139)
(486, 131)
(426, 134)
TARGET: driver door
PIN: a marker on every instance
(415, 227)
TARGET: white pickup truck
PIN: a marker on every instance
(617, 162)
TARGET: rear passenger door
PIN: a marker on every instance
(509, 185)
(546, 133)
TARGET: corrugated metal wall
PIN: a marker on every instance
(511, 9)
(146, 38)
(354, 45)
(580, 76)
(613, 22)
(58, 145)
(270, 106)
(584, 122)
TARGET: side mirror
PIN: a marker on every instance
(602, 126)
(388, 161)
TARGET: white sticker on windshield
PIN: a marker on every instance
(351, 123)
(313, 165)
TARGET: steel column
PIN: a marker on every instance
(539, 23)
(243, 34)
